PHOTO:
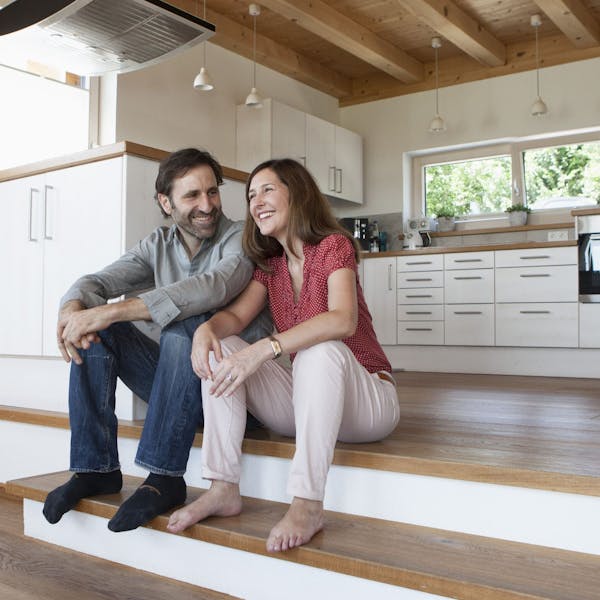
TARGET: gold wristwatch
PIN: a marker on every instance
(275, 346)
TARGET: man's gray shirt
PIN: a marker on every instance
(181, 287)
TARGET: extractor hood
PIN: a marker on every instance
(91, 37)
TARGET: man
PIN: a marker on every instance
(190, 269)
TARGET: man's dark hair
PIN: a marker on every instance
(177, 165)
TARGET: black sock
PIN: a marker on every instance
(81, 485)
(158, 494)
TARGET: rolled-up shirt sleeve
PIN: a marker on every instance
(225, 277)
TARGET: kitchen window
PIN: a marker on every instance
(477, 183)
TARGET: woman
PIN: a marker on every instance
(339, 386)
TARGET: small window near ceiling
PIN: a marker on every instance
(471, 187)
(562, 176)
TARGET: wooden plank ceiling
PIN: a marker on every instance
(364, 50)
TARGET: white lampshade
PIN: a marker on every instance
(203, 81)
(254, 99)
(539, 108)
(437, 124)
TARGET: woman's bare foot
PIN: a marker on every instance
(303, 519)
(222, 500)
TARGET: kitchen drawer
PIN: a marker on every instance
(421, 296)
(537, 284)
(433, 312)
(536, 257)
(469, 260)
(473, 285)
(420, 279)
(469, 325)
(549, 325)
(415, 333)
(423, 262)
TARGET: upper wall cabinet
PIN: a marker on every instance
(334, 157)
(274, 131)
(332, 154)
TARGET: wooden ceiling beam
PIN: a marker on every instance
(334, 27)
(574, 20)
(238, 38)
(459, 28)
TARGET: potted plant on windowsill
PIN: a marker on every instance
(446, 219)
(517, 214)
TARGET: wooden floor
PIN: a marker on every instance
(33, 570)
(535, 432)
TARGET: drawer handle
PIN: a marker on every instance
(419, 329)
(419, 296)
(536, 275)
(541, 256)
(467, 312)
(389, 278)
(467, 260)
(420, 262)
(420, 279)
(469, 277)
(419, 312)
(534, 312)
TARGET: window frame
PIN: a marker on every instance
(514, 149)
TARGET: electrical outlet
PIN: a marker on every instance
(558, 236)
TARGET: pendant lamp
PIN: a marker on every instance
(538, 108)
(254, 100)
(203, 80)
(437, 124)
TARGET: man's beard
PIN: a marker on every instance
(196, 227)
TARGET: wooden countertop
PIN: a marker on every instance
(581, 212)
(481, 248)
(100, 153)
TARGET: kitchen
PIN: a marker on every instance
(158, 107)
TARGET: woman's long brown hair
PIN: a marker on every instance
(310, 217)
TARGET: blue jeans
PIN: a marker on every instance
(160, 374)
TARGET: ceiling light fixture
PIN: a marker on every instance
(203, 80)
(437, 124)
(538, 108)
(254, 100)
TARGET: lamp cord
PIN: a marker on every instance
(437, 111)
(537, 61)
(254, 53)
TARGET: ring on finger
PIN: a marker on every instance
(230, 377)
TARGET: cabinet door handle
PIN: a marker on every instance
(419, 262)
(341, 186)
(420, 279)
(467, 260)
(47, 236)
(30, 232)
(419, 312)
(419, 295)
(536, 275)
(467, 312)
(534, 312)
(419, 329)
(331, 185)
(390, 278)
(468, 277)
(541, 256)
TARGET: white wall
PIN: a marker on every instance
(484, 110)
(158, 106)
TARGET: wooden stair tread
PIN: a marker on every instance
(423, 452)
(432, 560)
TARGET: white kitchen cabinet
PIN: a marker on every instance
(537, 284)
(545, 325)
(469, 286)
(274, 131)
(424, 262)
(589, 325)
(421, 279)
(61, 225)
(536, 298)
(334, 156)
(421, 333)
(469, 260)
(379, 276)
(469, 324)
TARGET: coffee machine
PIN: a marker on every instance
(359, 228)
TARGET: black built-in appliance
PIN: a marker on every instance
(588, 234)
(359, 228)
